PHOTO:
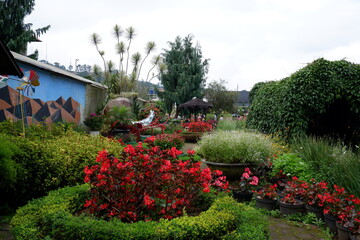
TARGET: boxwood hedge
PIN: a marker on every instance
(51, 217)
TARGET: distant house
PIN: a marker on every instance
(242, 98)
(61, 95)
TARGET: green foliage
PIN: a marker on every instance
(184, 76)
(291, 165)
(300, 104)
(231, 125)
(236, 147)
(221, 99)
(13, 31)
(52, 217)
(167, 141)
(331, 162)
(44, 164)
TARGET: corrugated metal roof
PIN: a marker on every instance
(56, 70)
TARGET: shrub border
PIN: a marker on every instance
(51, 217)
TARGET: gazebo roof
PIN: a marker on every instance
(195, 103)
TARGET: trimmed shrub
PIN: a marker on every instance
(52, 217)
(45, 164)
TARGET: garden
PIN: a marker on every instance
(136, 181)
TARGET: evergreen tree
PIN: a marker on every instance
(184, 76)
(13, 31)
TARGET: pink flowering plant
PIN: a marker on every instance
(147, 184)
(247, 181)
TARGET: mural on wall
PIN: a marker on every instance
(17, 104)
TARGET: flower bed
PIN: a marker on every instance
(52, 216)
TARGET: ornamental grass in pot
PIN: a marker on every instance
(233, 151)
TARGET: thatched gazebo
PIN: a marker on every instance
(195, 106)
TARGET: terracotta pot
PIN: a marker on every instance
(343, 232)
(330, 222)
(289, 208)
(268, 204)
(242, 196)
(232, 171)
(318, 211)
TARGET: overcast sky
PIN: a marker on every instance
(247, 41)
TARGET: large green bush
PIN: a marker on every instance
(321, 99)
(44, 164)
(52, 217)
(236, 147)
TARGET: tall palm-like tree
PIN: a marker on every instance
(96, 40)
(120, 49)
(155, 62)
(135, 59)
(150, 46)
(130, 34)
(117, 34)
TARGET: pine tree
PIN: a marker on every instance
(184, 76)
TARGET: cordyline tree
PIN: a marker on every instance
(13, 31)
(221, 99)
(123, 79)
(184, 75)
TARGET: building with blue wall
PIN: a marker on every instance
(60, 95)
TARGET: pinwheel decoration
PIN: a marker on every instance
(28, 82)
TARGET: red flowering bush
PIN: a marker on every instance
(167, 141)
(199, 126)
(335, 201)
(145, 111)
(345, 206)
(267, 192)
(146, 184)
(294, 191)
(314, 193)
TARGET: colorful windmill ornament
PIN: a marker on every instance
(28, 82)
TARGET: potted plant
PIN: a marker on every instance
(167, 141)
(233, 151)
(349, 217)
(118, 120)
(291, 202)
(334, 202)
(94, 122)
(314, 197)
(193, 131)
(266, 197)
(243, 190)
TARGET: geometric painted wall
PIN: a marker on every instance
(36, 110)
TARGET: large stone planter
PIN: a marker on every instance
(330, 222)
(318, 211)
(192, 137)
(232, 171)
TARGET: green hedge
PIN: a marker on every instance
(301, 103)
(51, 217)
(43, 164)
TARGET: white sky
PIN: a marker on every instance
(247, 41)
